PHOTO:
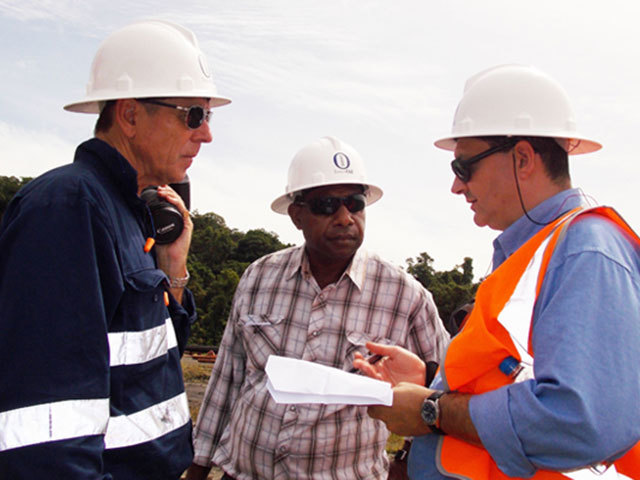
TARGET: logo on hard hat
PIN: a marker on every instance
(341, 161)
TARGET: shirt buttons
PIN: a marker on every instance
(292, 408)
(315, 333)
(283, 449)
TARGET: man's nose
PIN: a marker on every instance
(203, 133)
(458, 186)
(343, 216)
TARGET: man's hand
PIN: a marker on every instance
(403, 417)
(397, 365)
(172, 257)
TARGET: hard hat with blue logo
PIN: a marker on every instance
(326, 161)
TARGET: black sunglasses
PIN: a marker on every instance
(330, 205)
(462, 168)
(196, 114)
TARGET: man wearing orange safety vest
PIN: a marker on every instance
(543, 380)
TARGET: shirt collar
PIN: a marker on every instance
(355, 271)
(110, 161)
(523, 229)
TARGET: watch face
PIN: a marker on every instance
(429, 412)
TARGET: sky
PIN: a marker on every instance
(383, 76)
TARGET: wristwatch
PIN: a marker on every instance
(430, 412)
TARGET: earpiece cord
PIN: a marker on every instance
(520, 196)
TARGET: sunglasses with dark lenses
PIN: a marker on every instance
(196, 114)
(462, 168)
(330, 205)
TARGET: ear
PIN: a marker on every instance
(295, 212)
(526, 159)
(125, 114)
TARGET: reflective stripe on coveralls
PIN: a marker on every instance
(67, 419)
(495, 331)
(130, 348)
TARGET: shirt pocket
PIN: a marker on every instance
(142, 304)
(262, 335)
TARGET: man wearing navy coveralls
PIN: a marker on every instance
(84, 289)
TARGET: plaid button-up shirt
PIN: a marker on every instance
(279, 309)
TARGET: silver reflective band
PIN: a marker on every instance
(590, 474)
(520, 306)
(148, 424)
(50, 422)
(130, 348)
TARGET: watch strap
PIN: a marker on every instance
(435, 396)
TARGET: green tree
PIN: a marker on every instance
(450, 289)
(213, 294)
(255, 244)
(422, 269)
(213, 243)
(217, 258)
(9, 186)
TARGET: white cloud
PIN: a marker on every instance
(385, 77)
(29, 153)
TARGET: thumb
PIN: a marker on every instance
(381, 349)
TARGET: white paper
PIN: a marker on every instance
(291, 380)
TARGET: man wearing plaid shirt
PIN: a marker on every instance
(319, 302)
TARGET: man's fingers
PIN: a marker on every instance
(376, 411)
(382, 349)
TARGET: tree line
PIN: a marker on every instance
(220, 254)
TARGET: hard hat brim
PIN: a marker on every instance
(92, 104)
(582, 145)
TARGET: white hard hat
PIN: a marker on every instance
(152, 58)
(327, 161)
(516, 100)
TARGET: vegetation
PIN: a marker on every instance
(219, 255)
(450, 289)
(9, 186)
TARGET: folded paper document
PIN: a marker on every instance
(291, 380)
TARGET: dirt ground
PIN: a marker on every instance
(195, 394)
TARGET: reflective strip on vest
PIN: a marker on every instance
(148, 424)
(590, 474)
(520, 306)
(459, 460)
(50, 422)
(130, 348)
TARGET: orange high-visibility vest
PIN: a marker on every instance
(496, 329)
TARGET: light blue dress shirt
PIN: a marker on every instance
(583, 405)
